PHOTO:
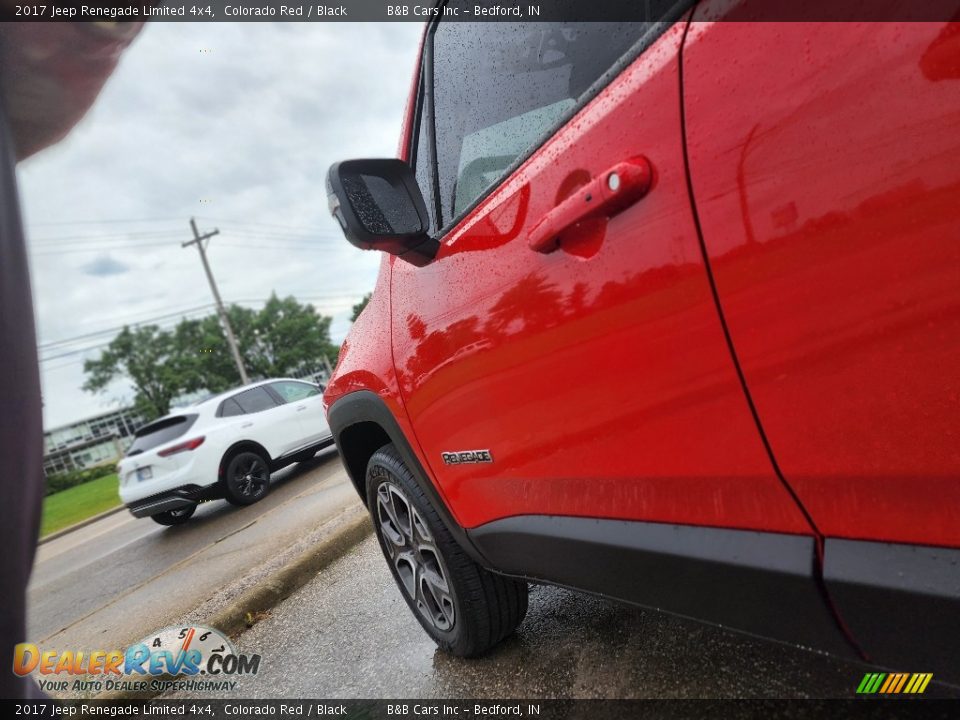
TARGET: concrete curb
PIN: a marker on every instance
(347, 530)
(353, 527)
(83, 523)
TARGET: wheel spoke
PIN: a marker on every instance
(401, 511)
(420, 599)
(407, 568)
(390, 523)
(421, 534)
(432, 568)
(441, 606)
(419, 566)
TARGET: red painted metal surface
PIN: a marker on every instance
(825, 161)
(365, 361)
(597, 375)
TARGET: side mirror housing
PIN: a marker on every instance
(380, 207)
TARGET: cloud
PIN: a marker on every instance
(105, 265)
(240, 138)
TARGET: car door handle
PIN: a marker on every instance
(247, 424)
(605, 195)
(301, 407)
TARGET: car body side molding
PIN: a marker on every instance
(902, 602)
(289, 457)
(756, 582)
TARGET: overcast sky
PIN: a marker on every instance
(235, 124)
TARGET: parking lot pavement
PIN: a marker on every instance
(349, 634)
(119, 579)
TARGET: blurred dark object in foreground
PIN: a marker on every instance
(50, 75)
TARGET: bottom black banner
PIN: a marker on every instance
(487, 709)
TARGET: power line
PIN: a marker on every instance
(106, 331)
(263, 232)
(163, 326)
(140, 316)
(146, 234)
(134, 221)
(78, 351)
(345, 296)
(121, 246)
(96, 237)
(297, 248)
(103, 248)
(108, 221)
(223, 221)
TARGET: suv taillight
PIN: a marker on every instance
(182, 447)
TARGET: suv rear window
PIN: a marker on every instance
(229, 408)
(162, 431)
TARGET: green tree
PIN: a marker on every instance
(150, 358)
(283, 338)
(358, 308)
(206, 362)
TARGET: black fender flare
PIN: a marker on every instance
(364, 406)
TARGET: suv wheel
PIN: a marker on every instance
(247, 479)
(175, 517)
(463, 607)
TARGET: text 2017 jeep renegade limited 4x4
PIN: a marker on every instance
(668, 311)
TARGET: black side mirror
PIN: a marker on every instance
(380, 207)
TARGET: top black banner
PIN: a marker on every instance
(103, 11)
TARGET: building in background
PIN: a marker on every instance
(95, 441)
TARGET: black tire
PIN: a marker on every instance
(175, 517)
(246, 478)
(463, 607)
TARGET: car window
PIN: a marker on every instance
(230, 408)
(255, 400)
(423, 160)
(292, 391)
(159, 432)
(500, 89)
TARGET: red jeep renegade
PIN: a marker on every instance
(669, 312)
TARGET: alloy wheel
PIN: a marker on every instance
(415, 557)
(250, 477)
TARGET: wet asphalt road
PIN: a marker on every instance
(116, 580)
(348, 634)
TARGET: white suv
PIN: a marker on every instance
(223, 447)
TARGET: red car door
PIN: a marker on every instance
(565, 370)
(829, 196)
(825, 167)
(595, 370)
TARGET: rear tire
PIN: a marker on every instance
(463, 607)
(174, 517)
(246, 479)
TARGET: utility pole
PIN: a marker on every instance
(200, 240)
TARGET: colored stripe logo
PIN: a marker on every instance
(894, 683)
